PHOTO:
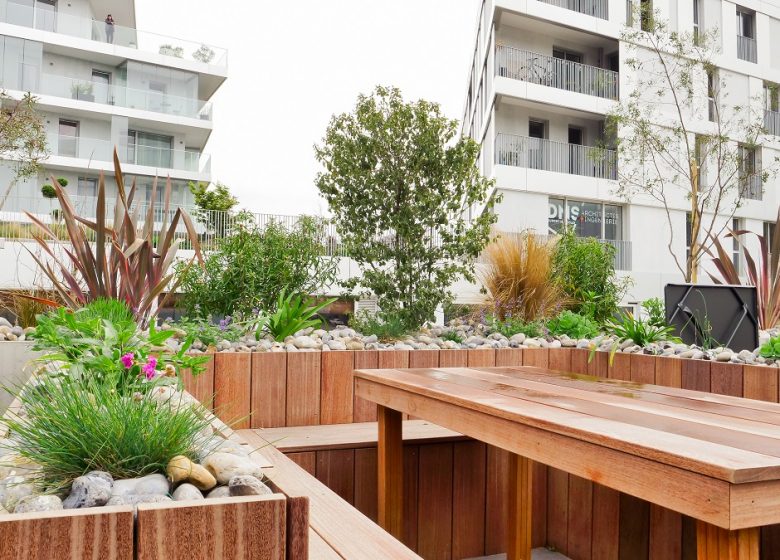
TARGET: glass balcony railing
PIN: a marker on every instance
(572, 159)
(595, 8)
(554, 72)
(746, 48)
(47, 19)
(100, 92)
(772, 122)
(93, 149)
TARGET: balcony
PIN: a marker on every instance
(752, 187)
(93, 149)
(595, 8)
(746, 48)
(553, 72)
(94, 30)
(559, 157)
(772, 122)
(122, 96)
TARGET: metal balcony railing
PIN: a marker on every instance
(93, 149)
(772, 122)
(595, 8)
(536, 153)
(752, 187)
(623, 258)
(554, 72)
(746, 48)
(55, 21)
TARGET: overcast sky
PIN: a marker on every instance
(292, 64)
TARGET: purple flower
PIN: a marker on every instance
(149, 369)
(128, 360)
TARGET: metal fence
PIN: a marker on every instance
(772, 122)
(595, 8)
(537, 153)
(554, 72)
(746, 48)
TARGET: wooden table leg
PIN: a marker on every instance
(714, 543)
(390, 460)
(520, 508)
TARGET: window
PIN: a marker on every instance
(87, 186)
(697, 20)
(68, 140)
(646, 14)
(750, 181)
(771, 97)
(588, 219)
(736, 251)
(688, 235)
(746, 35)
(712, 94)
(102, 85)
(745, 23)
(145, 148)
(769, 233)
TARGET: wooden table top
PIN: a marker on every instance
(586, 425)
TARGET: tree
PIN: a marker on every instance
(400, 187)
(679, 141)
(214, 206)
(22, 137)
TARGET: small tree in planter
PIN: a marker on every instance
(204, 54)
(170, 50)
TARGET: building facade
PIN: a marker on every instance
(103, 86)
(546, 73)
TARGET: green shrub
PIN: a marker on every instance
(452, 336)
(573, 325)
(641, 332)
(583, 267)
(385, 326)
(251, 267)
(510, 326)
(48, 191)
(656, 311)
(72, 428)
(293, 313)
(771, 348)
(62, 181)
(209, 333)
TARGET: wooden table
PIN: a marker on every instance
(712, 457)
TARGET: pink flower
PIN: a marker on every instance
(128, 360)
(149, 369)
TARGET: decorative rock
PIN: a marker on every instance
(334, 345)
(38, 503)
(247, 486)
(519, 338)
(187, 492)
(135, 499)
(219, 492)
(151, 485)
(12, 490)
(225, 466)
(90, 490)
(5, 323)
(182, 469)
(724, 356)
(304, 342)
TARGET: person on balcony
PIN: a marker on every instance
(109, 28)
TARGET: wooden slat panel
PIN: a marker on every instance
(269, 389)
(365, 411)
(424, 359)
(688, 538)
(726, 379)
(96, 534)
(319, 549)
(482, 357)
(643, 368)
(307, 460)
(232, 388)
(337, 387)
(388, 359)
(220, 529)
(497, 504)
(668, 372)
(519, 543)
(336, 470)
(760, 383)
(560, 359)
(579, 361)
(606, 523)
(468, 509)
(509, 357)
(695, 375)
(770, 541)
(202, 386)
(434, 527)
(537, 357)
(539, 525)
(580, 518)
(598, 364)
(411, 495)
(665, 534)
(453, 358)
(715, 543)
(303, 388)
(366, 482)
(620, 367)
(558, 510)
(634, 528)
(390, 464)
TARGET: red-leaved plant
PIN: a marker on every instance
(765, 275)
(116, 260)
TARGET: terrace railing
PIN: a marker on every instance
(554, 72)
(772, 122)
(746, 48)
(46, 19)
(595, 8)
(573, 159)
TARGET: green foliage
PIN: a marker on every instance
(573, 325)
(253, 266)
(513, 325)
(400, 180)
(641, 332)
(584, 267)
(210, 334)
(214, 206)
(62, 181)
(294, 312)
(48, 191)
(453, 336)
(90, 343)
(771, 348)
(23, 137)
(385, 326)
(72, 428)
(656, 312)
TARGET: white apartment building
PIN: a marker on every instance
(101, 87)
(544, 75)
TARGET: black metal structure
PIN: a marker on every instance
(713, 314)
